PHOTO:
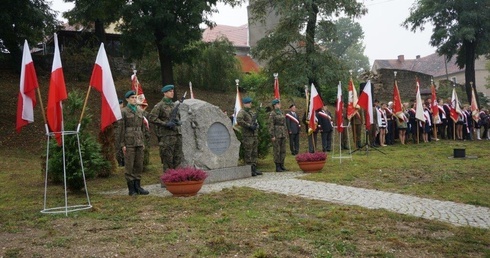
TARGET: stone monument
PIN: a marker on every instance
(209, 141)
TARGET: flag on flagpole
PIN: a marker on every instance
(455, 108)
(475, 112)
(190, 90)
(56, 94)
(276, 87)
(366, 102)
(103, 82)
(397, 102)
(27, 90)
(136, 87)
(238, 105)
(419, 109)
(339, 109)
(434, 106)
(352, 101)
(315, 104)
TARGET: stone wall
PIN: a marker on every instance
(406, 81)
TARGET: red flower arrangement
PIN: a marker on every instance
(183, 174)
(317, 156)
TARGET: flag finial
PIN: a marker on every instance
(237, 81)
(395, 72)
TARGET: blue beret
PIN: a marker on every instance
(246, 100)
(275, 101)
(167, 88)
(129, 94)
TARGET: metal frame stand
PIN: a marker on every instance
(64, 209)
(340, 156)
(367, 145)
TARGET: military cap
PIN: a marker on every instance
(167, 88)
(120, 101)
(246, 100)
(129, 94)
(275, 101)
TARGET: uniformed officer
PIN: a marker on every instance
(247, 120)
(117, 131)
(293, 125)
(132, 143)
(278, 133)
(325, 127)
(166, 118)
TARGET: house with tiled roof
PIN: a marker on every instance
(431, 66)
(238, 36)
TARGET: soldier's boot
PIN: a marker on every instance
(138, 188)
(278, 167)
(282, 167)
(256, 171)
(132, 191)
(252, 170)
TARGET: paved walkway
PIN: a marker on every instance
(289, 184)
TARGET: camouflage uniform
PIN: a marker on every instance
(169, 137)
(279, 131)
(131, 136)
(250, 140)
(117, 136)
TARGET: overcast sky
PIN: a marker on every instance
(384, 38)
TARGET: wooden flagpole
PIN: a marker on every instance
(41, 103)
(84, 106)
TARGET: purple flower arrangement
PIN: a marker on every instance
(183, 174)
(317, 156)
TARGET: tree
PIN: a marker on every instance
(291, 47)
(461, 29)
(344, 38)
(167, 27)
(95, 13)
(20, 20)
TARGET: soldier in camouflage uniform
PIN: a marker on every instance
(278, 132)
(247, 119)
(131, 140)
(166, 119)
(117, 130)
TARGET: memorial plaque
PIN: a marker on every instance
(218, 138)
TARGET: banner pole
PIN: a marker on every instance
(84, 106)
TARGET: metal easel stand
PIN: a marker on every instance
(340, 155)
(64, 209)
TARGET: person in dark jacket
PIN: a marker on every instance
(293, 125)
(325, 127)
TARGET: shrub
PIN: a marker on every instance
(183, 174)
(317, 156)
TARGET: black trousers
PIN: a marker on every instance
(294, 143)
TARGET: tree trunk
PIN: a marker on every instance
(469, 74)
(100, 31)
(310, 44)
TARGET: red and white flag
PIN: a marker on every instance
(352, 100)
(276, 87)
(102, 81)
(56, 94)
(475, 112)
(419, 109)
(315, 104)
(397, 102)
(455, 108)
(434, 106)
(136, 87)
(238, 105)
(366, 102)
(339, 110)
(27, 92)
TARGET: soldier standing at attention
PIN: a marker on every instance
(293, 125)
(325, 126)
(166, 118)
(117, 131)
(131, 140)
(278, 132)
(247, 119)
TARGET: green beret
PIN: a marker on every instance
(129, 94)
(167, 88)
(120, 101)
(275, 101)
(246, 100)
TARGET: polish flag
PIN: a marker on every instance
(455, 108)
(56, 94)
(238, 105)
(102, 81)
(136, 87)
(397, 102)
(276, 87)
(366, 102)
(27, 94)
(339, 110)
(419, 109)
(352, 101)
(315, 104)
(475, 112)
